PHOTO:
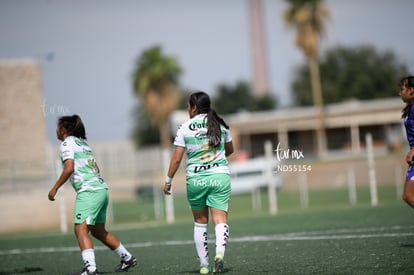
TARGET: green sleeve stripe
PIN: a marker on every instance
(83, 155)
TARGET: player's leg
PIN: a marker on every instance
(81, 212)
(98, 230)
(86, 247)
(200, 238)
(196, 196)
(221, 228)
(113, 243)
(107, 238)
(408, 194)
(218, 201)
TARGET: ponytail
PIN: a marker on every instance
(73, 125)
(213, 127)
(202, 101)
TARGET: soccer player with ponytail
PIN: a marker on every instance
(79, 165)
(206, 139)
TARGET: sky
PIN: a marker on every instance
(88, 48)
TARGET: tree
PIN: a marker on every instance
(359, 72)
(308, 17)
(155, 78)
(233, 99)
(144, 132)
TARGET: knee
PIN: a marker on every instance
(80, 230)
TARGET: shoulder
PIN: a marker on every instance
(188, 125)
(69, 141)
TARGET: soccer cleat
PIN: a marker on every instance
(218, 264)
(85, 271)
(204, 270)
(125, 265)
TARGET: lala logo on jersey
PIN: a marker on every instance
(205, 167)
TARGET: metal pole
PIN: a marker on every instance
(303, 189)
(169, 199)
(352, 186)
(271, 178)
(371, 170)
(62, 205)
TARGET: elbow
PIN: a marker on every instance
(175, 162)
(69, 170)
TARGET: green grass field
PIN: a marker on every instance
(328, 237)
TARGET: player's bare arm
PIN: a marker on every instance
(229, 148)
(68, 168)
(174, 164)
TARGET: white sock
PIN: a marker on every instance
(200, 240)
(88, 257)
(122, 253)
(222, 237)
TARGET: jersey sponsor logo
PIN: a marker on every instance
(204, 167)
(197, 125)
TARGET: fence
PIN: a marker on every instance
(24, 187)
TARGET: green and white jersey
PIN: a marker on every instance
(86, 173)
(203, 159)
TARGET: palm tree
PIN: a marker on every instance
(308, 17)
(155, 80)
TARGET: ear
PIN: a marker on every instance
(63, 130)
(194, 109)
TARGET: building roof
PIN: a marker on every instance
(338, 115)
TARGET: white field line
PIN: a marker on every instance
(339, 234)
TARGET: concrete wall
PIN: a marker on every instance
(22, 123)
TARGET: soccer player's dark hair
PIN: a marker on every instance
(203, 103)
(408, 82)
(73, 125)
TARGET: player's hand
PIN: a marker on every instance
(52, 194)
(167, 189)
